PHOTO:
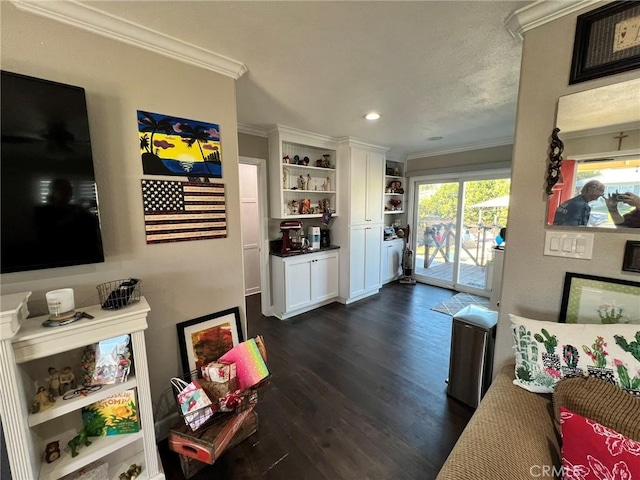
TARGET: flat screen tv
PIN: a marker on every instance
(48, 199)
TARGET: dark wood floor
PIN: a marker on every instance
(357, 392)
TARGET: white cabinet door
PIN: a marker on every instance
(391, 260)
(395, 260)
(373, 244)
(367, 186)
(384, 263)
(357, 256)
(298, 292)
(365, 255)
(324, 277)
(359, 189)
(375, 187)
(300, 283)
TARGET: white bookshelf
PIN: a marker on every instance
(25, 345)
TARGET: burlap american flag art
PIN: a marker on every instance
(181, 211)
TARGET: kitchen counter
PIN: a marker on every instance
(303, 252)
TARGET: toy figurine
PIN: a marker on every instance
(52, 451)
(286, 159)
(308, 182)
(67, 380)
(78, 441)
(132, 473)
(44, 399)
(54, 382)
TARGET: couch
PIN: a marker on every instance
(581, 379)
(511, 436)
(515, 434)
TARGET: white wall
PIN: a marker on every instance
(180, 280)
(533, 283)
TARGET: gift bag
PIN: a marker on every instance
(195, 406)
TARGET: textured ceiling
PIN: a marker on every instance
(447, 68)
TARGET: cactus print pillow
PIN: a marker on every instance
(547, 352)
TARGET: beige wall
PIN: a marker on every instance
(253, 146)
(599, 143)
(532, 283)
(180, 280)
(478, 158)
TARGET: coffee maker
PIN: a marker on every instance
(292, 240)
(325, 238)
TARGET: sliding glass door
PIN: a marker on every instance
(456, 224)
(437, 224)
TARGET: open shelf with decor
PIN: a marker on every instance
(302, 174)
(394, 188)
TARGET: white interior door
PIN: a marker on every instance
(250, 220)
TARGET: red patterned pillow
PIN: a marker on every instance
(591, 451)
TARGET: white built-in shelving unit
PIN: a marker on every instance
(320, 183)
(394, 173)
(26, 350)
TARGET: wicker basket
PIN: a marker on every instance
(203, 417)
(119, 293)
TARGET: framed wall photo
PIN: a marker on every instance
(600, 300)
(607, 41)
(205, 339)
(631, 262)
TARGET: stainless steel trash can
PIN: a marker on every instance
(471, 357)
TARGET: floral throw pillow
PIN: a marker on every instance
(591, 451)
(547, 352)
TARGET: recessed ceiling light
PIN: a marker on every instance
(372, 116)
(434, 139)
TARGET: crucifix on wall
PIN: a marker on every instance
(620, 138)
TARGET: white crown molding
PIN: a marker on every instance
(101, 23)
(251, 130)
(354, 142)
(541, 12)
(500, 142)
(295, 135)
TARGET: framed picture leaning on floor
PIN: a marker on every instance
(205, 339)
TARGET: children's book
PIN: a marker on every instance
(115, 415)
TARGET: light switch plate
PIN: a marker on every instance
(568, 244)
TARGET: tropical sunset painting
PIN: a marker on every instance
(177, 146)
